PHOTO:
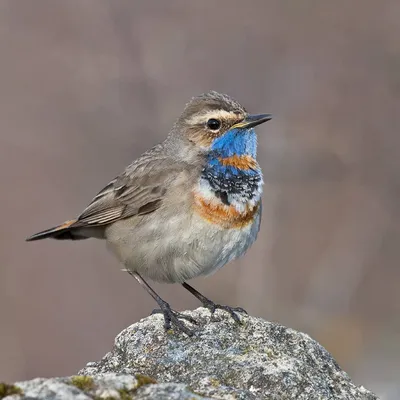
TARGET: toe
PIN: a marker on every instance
(234, 316)
(240, 310)
(180, 326)
(186, 318)
(232, 312)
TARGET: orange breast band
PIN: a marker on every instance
(226, 216)
(244, 162)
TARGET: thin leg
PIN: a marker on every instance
(212, 306)
(170, 316)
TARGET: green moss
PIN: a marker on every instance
(82, 382)
(8, 390)
(124, 394)
(144, 380)
(105, 398)
(86, 383)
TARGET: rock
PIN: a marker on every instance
(223, 360)
(102, 386)
(257, 360)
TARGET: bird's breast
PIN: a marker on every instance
(214, 211)
(228, 193)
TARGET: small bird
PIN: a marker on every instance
(184, 208)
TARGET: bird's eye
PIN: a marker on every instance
(213, 124)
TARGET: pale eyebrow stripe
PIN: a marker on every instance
(217, 114)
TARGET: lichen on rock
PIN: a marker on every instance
(8, 390)
(255, 360)
(223, 360)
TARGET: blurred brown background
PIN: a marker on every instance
(86, 86)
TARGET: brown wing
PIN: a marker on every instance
(139, 190)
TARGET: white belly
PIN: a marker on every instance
(172, 248)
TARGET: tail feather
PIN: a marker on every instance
(61, 232)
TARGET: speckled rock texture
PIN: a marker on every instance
(223, 360)
(103, 386)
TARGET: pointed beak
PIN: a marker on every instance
(252, 120)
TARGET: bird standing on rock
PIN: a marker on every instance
(184, 208)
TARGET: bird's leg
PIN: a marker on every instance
(171, 317)
(212, 306)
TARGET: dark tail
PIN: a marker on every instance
(64, 231)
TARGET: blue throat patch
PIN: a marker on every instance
(235, 142)
(228, 181)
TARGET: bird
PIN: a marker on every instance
(184, 208)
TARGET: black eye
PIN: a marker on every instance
(213, 124)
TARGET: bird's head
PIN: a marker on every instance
(215, 122)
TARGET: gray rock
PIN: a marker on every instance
(102, 386)
(255, 360)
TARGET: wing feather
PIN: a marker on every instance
(139, 190)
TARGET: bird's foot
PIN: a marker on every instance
(233, 311)
(172, 319)
(177, 314)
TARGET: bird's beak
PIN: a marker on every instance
(252, 120)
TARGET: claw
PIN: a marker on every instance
(207, 303)
(172, 319)
(177, 314)
(240, 310)
(231, 310)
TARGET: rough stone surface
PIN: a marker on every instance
(102, 386)
(223, 360)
